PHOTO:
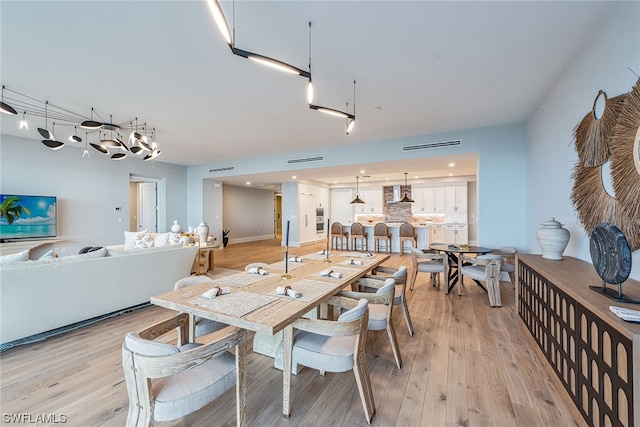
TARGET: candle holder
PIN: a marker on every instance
(286, 263)
(327, 260)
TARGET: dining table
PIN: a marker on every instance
(254, 304)
(454, 254)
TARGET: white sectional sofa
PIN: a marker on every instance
(38, 296)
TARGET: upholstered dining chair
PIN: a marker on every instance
(380, 308)
(337, 346)
(400, 296)
(407, 234)
(339, 235)
(381, 233)
(202, 326)
(166, 382)
(358, 234)
(508, 261)
(484, 268)
(433, 263)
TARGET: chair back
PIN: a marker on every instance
(336, 228)
(357, 229)
(407, 230)
(190, 281)
(381, 229)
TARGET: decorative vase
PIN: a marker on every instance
(553, 239)
(176, 228)
(203, 232)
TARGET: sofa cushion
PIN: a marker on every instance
(20, 256)
(161, 239)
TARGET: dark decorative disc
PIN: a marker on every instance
(100, 148)
(610, 253)
(118, 156)
(45, 133)
(54, 145)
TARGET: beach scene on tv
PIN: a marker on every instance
(27, 217)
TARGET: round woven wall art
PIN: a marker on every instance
(610, 253)
(595, 205)
(624, 147)
(592, 135)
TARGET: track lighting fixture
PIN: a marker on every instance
(351, 118)
(110, 138)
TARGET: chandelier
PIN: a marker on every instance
(105, 136)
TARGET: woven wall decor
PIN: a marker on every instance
(595, 205)
(592, 135)
(625, 174)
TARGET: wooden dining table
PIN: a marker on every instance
(254, 305)
(454, 254)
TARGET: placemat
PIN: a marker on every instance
(237, 303)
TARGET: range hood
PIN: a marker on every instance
(395, 195)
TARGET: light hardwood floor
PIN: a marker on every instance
(467, 364)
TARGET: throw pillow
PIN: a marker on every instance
(20, 256)
(131, 236)
(145, 242)
(161, 239)
(49, 255)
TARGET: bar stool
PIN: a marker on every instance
(408, 234)
(358, 233)
(381, 232)
(339, 235)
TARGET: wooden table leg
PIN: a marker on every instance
(287, 350)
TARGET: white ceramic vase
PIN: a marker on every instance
(203, 233)
(553, 239)
(176, 228)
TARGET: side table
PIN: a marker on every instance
(204, 259)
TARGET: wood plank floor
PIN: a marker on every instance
(467, 364)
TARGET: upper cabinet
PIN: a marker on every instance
(456, 199)
(372, 201)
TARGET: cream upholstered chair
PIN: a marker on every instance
(407, 234)
(337, 346)
(166, 382)
(484, 268)
(202, 326)
(400, 296)
(358, 234)
(339, 235)
(381, 233)
(508, 261)
(427, 262)
(380, 308)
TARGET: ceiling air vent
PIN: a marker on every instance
(228, 168)
(429, 145)
(308, 159)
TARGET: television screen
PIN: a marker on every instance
(27, 217)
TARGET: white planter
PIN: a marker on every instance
(553, 239)
(203, 233)
(176, 228)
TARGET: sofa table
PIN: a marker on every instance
(204, 260)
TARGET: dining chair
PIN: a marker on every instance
(431, 262)
(508, 261)
(400, 297)
(484, 268)
(337, 346)
(381, 233)
(359, 234)
(380, 308)
(339, 235)
(407, 234)
(202, 326)
(166, 382)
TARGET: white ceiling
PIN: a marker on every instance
(421, 67)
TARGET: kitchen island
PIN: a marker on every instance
(422, 231)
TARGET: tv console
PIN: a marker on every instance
(8, 248)
(595, 354)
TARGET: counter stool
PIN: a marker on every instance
(358, 233)
(381, 232)
(408, 234)
(339, 235)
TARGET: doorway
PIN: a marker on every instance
(277, 216)
(145, 204)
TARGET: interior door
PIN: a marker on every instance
(148, 207)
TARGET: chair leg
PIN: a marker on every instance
(241, 385)
(361, 371)
(414, 273)
(394, 344)
(407, 317)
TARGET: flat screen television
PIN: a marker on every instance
(27, 217)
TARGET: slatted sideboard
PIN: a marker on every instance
(595, 354)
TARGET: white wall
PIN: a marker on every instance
(248, 213)
(88, 190)
(603, 64)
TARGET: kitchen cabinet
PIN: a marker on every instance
(307, 214)
(455, 199)
(372, 201)
(456, 233)
(437, 234)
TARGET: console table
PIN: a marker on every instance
(595, 354)
(204, 260)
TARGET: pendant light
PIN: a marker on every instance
(6, 108)
(51, 142)
(86, 147)
(406, 198)
(23, 122)
(46, 134)
(90, 124)
(75, 137)
(357, 199)
(100, 147)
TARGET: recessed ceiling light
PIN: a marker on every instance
(362, 171)
(294, 177)
(451, 165)
(450, 174)
(248, 182)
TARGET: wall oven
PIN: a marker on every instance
(320, 220)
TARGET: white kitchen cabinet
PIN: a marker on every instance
(456, 233)
(372, 201)
(437, 234)
(428, 200)
(455, 199)
(307, 214)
